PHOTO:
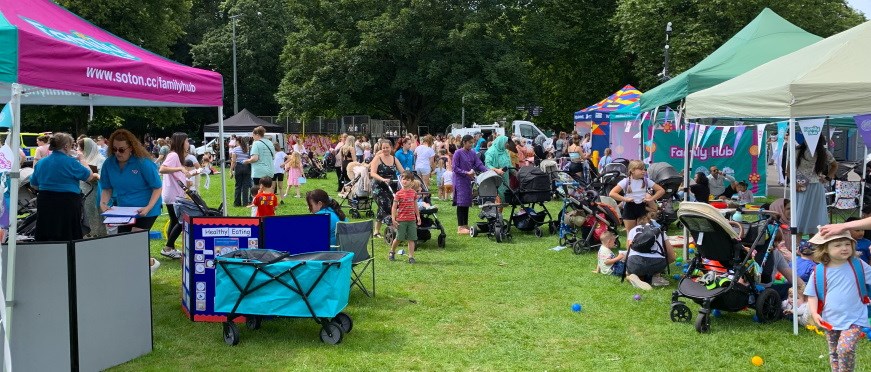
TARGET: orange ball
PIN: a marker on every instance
(757, 361)
(692, 245)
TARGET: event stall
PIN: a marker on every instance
(827, 79)
(49, 55)
(596, 118)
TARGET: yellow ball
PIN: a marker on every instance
(757, 361)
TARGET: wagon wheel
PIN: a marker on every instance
(680, 312)
(253, 322)
(231, 333)
(331, 333)
(344, 321)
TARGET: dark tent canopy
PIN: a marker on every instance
(244, 121)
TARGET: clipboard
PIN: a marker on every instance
(93, 169)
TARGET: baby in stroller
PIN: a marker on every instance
(493, 224)
(724, 274)
(357, 193)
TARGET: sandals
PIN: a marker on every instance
(391, 256)
(173, 253)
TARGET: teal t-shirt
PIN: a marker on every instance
(264, 149)
(133, 185)
(59, 172)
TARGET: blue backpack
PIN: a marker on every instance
(858, 272)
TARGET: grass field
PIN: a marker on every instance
(479, 305)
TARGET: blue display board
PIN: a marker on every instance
(297, 234)
(204, 239)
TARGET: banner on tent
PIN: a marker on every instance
(732, 159)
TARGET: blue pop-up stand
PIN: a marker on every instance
(206, 238)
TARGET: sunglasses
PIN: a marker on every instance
(120, 150)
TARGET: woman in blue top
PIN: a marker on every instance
(404, 154)
(59, 199)
(129, 178)
(321, 203)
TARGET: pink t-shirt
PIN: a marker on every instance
(171, 189)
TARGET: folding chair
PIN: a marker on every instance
(846, 199)
(356, 237)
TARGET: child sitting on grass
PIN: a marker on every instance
(265, 201)
(609, 264)
(863, 246)
(800, 309)
(406, 217)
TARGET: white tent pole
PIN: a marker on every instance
(864, 174)
(792, 212)
(11, 245)
(223, 161)
(686, 190)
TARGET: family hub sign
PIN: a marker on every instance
(703, 153)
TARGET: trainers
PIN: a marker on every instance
(411, 260)
(638, 283)
(391, 256)
(659, 281)
(173, 254)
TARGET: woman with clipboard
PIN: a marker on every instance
(129, 179)
(59, 199)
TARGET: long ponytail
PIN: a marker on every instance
(318, 195)
(337, 208)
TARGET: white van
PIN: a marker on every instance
(529, 131)
(486, 130)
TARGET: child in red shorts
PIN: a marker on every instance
(406, 217)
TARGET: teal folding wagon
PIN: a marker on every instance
(258, 283)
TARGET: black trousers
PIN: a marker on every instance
(462, 216)
(242, 192)
(174, 226)
(59, 216)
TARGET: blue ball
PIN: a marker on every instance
(576, 307)
(676, 276)
(691, 251)
(716, 313)
(755, 318)
(685, 270)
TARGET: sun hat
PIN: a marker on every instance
(820, 240)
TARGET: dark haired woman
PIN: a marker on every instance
(811, 171)
(173, 170)
(59, 199)
(701, 191)
(321, 203)
(241, 171)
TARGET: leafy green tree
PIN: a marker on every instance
(261, 32)
(408, 60)
(699, 27)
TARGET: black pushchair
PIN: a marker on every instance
(722, 275)
(493, 224)
(534, 190)
(314, 168)
(429, 219)
(583, 217)
(670, 180)
(196, 206)
(613, 173)
(257, 283)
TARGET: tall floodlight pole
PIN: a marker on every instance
(463, 118)
(664, 74)
(233, 19)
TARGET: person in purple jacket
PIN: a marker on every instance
(466, 163)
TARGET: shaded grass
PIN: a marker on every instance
(479, 305)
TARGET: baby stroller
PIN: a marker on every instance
(614, 172)
(722, 275)
(670, 180)
(196, 206)
(429, 219)
(534, 189)
(584, 216)
(314, 168)
(493, 224)
(357, 193)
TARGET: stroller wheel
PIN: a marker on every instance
(551, 227)
(703, 323)
(369, 214)
(473, 231)
(767, 306)
(389, 235)
(680, 312)
(331, 333)
(231, 333)
(344, 321)
(538, 232)
(441, 240)
(497, 233)
(580, 246)
(355, 214)
(253, 322)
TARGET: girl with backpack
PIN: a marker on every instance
(633, 192)
(649, 251)
(838, 296)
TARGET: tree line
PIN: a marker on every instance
(418, 61)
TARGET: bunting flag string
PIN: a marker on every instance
(723, 134)
(812, 129)
(760, 135)
(701, 128)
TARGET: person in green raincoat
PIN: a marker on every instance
(497, 158)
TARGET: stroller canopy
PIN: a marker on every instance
(488, 183)
(663, 172)
(708, 212)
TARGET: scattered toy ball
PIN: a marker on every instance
(692, 245)
(678, 260)
(692, 251)
(755, 318)
(637, 297)
(757, 361)
(576, 307)
(677, 276)
(716, 313)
